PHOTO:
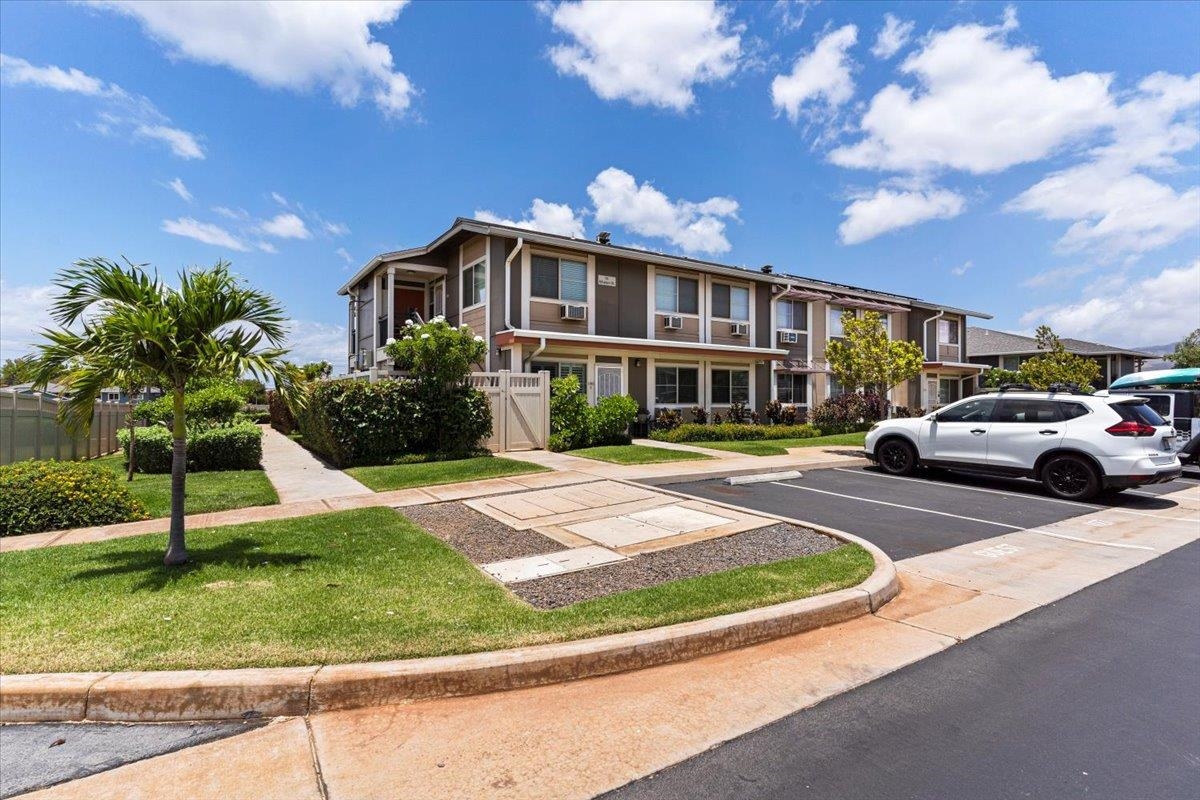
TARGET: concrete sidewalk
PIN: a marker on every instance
(578, 739)
(298, 475)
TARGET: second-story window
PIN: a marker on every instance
(558, 279)
(835, 321)
(474, 284)
(676, 295)
(947, 331)
(730, 302)
(791, 315)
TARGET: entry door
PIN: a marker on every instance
(608, 380)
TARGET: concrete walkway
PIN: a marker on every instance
(576, 740)
(298, 475)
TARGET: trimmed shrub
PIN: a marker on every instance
(773, 411)
(354, 423)
(847, 413)
(611, 419)
(732, 432)
(208, 449)
(699, 414)
(211, 405)
(52, 495)
(738, 412)
(281, 417)
(570, 415)
(666, 419)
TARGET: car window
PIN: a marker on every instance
(1020, 409)
(1073, 410)
(968, 411)
(1138, 412)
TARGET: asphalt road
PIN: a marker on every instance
(911, 516)
(1095, 696)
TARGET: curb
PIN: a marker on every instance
(163, 696)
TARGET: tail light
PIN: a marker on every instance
(1129, 427)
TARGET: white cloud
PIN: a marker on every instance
(818, 78)
(182, 143)
(335, 228)
(296, 46)
(285, 226)
(231, 213)
(959, 271)
(1056, 276)
(643, 209)
(892, 36)
(345, 256)
(266, 247)
(204, 232)
(891, 209)
(122, 112)
(180, 188)
(317, 341)
(278, 198)
(792, 13)
(24, 311)
(979, 105)
(19, 72)
(649, 53)
(557, 218)
(1160, 307)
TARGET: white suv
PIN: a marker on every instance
(1075, 444)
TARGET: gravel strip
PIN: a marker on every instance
(759, 546)
(478, 536)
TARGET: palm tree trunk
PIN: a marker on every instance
(176, 550)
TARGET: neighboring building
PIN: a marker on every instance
(1008, 350)
(670, 331)
(115, 394)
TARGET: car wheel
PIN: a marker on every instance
(1071, 478)
(897, 457)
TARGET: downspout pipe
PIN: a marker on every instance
(508, 285)
(925, 331)
(541, 346)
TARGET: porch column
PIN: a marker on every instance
(391, 307)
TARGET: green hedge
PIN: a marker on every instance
(52, 495)
(733, 432)
(208, 450)
(356, 423)
(213, 404)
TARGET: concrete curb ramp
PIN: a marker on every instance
(297, 691)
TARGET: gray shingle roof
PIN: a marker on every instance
(987, 342)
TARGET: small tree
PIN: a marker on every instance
(1054, 364)
(17, 370)
(996, 377)
(866, 356)
(1187, 352)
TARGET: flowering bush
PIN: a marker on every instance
(52, 495)
(436, 354)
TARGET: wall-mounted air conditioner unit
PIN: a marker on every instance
(574, 312)
(789, 337)
(739, 328)
(672, 322)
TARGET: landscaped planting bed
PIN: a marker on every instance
(477, 536)
(350, 586)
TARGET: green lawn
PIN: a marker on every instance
(778, 447)
(206, 491)
(636, 454)
(348, 586)
(431, 473)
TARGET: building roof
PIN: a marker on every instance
(987, 342)
(621, 251)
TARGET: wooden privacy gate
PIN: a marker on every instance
(520, 408)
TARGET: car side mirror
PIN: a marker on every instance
(934, 417)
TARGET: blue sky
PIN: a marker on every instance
(1038, 161)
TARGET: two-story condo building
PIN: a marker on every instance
(671, 331)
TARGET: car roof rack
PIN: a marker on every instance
(1054, 388)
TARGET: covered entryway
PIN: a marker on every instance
(520, 408)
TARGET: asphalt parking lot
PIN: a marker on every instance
(925, 513)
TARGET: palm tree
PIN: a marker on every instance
(125, 322)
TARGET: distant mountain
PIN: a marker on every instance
(1158, 349)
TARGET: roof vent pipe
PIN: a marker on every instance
(767, 269)
(604, 237)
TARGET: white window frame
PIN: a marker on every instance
(731, 286)
(677, 403)
(677, 278)
(712, 384)
(479, 263)
(829, 320)
(792, 304)
(807, 381)
(558, 362)
(947, 325)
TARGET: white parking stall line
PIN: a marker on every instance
(1015, 495)
(969, 519)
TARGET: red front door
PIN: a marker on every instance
(408, 300)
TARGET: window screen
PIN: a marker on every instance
(720, 300)
(676, 295)
(543, 279)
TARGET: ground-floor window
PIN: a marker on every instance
(676, 385)
(835, 387)
(561, 369)
(948, 389)
(730, 386)
(791, 388)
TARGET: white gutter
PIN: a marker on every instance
(925, 331)
(508, 284)
(529, 359)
